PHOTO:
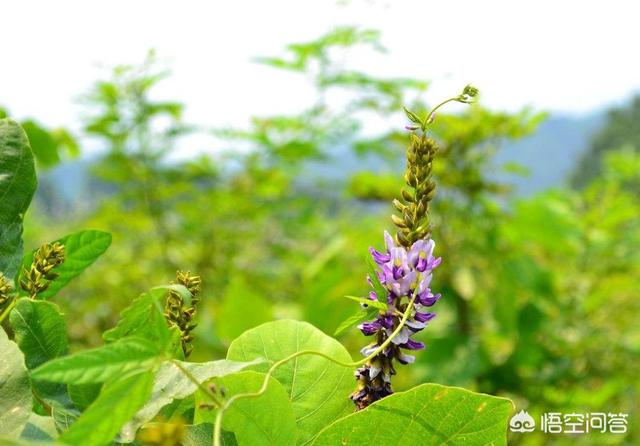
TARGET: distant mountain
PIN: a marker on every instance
(551, 153)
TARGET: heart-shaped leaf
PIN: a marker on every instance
(265, 420)
(427, 414)
(318, 389)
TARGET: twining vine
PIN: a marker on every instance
(404, 271)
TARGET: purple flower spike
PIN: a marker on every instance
(403, 273)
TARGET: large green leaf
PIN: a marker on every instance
(41, 334)
(118, 402)
(265, 420)
(318, 389)
(100, 364)
(202, 434)
(171, 384)
(15, 391)
(232, 318)
(81, 249)
(427, 414)
(199, 435)
(17, 185)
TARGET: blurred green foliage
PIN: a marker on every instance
(540, 294)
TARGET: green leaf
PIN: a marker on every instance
(117, 403)
(17, 186)
(233, 319)
(82, 395)
(380, 290)
(39, 428)
(369, 303)
(318, 389)
(265, 420)
(100, 364)
(41, 334)
(360, 316)
(4, 441)
(171, 384)
(45, 147)
(202, 434)
(427, 414)
(413, 117)
(15, 391)
(81, 249)
(40, 331)
(144, 317)
(64, 417)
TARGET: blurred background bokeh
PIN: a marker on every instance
(259, 144)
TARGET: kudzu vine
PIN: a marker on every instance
(405, 271)
(119, 391)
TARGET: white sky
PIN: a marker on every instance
(554, 55)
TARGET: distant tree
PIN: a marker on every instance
(622, 128)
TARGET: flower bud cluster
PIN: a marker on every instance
(41, 273)
(180, 314)
(5, 291)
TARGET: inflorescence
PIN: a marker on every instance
(41, 273)
(5, 291)
(181, 314)
(403, 271)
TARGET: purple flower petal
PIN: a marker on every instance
(388, 241)
(427, 298)
(386, 321)
(379, 257)
(370, 328)
(401, 337)
(424, 317)
(403, 358)
(366, 351)
(415, 325)
(413, 345)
